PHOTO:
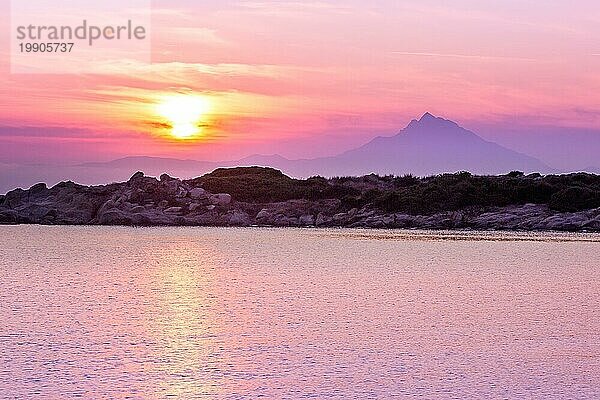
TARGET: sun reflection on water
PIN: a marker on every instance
(186, 325)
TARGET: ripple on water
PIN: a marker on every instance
(102, 312)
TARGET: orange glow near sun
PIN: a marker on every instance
(184, 114)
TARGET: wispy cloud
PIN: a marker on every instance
(492, 16)
(294, 6)
(467, 56)
(196, 34)
(172, 13)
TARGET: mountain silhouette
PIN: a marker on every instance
(430, 145)
(427, 146)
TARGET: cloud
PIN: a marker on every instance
(196, 34)
(587, 112)
(467, 56)
(172, 13)
(496, 16)
(292, 7)
(50, 132)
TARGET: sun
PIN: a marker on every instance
(184, 114)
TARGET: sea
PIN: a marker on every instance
(247, 313)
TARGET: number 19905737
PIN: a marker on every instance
(46, 47)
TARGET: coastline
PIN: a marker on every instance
(399, 234)
(266, 198)
(559, 225)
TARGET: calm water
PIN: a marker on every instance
(246, 313)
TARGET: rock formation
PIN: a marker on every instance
(266, 197)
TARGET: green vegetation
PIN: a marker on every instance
(267, 185)
(410, 194)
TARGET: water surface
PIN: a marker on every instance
(105, 312)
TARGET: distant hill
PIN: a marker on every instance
(155, 165)
(427, 146)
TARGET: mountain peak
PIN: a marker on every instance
(430, 122)
(427, 117)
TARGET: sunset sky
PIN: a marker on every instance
(307, 79)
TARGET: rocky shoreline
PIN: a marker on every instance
(147, 201)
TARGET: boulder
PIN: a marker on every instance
(321, 220)
(138, 209)
(141, 219)
(34, 213)
(496, 220)
(263, 214)
(136, 176)
(114, 217)
(284, 220)
(210, 218)
(374, 222)
(239, 218)
(38, 188)
(307, 220)
(593, 224)
(403, 221)
(171, 187)
(446, 220)
(198, 194)
(563, 222)
(173, 210)
(340, 219)
(181, 192)
(14, 197)
(220, 199)
(9, 217)
(109, 204)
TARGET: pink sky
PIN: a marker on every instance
(306, 79)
